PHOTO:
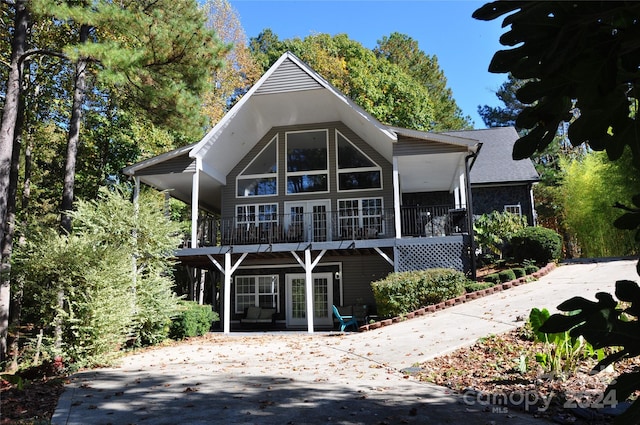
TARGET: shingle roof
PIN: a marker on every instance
(494, 163)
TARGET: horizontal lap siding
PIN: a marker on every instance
(229, 200)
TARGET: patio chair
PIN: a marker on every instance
(345, 321)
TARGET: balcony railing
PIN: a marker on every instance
(416, 221)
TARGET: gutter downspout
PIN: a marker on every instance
(472, 243)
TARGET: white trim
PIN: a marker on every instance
(275, 175)
(306, 173)
(396, 198)
(339, 170)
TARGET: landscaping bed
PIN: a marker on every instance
(499, 371)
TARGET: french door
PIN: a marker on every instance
(297, 300)
(311, 217)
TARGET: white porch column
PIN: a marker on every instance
(226, 309)
(396, 199)
(463, 190)
(195, 197)
(308, 277)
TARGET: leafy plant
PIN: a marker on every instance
(402, 292)
(606, 323)
(506, 275)
(193, 319)
(536, 243)
(477, 286)
(492, 231)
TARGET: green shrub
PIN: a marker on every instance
(476, 286)
(403, 292)
(531, 268)
(519, 272)
(539, 244)
(492, 231)
(193, 319)
(506, 275)
(492, 278)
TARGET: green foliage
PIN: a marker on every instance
(492, 231)
(531, 268)
(536, 243)
(562, 352)
(107, 301)
(471, 286)
(519, 272)
(192, 320)
(493, 278)
(391, 89)
(506, 275)
(591, 187)
(403, 292)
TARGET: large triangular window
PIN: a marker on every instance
(260, 177)
(356, 171)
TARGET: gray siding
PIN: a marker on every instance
(179, 164)
(408, 147)
(288, 77)
(229, 199)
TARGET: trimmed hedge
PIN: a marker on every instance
(477, 286)
(192, 319)
(492, 278)
(519, 272)
(506, 275)
(403, 292)
(539, 244)
(531, 268)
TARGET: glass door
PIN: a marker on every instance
(297, 300)
(308, 221)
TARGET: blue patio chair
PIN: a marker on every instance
(345, 321)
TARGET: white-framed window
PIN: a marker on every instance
(256, 221)
(356, 171)
(362, 217)
(513, 209)
(260, 177)
(307, 157)
(257, 290)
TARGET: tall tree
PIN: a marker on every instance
(380, 87)
(240, 72)
(504, 116)
(7, 134)
(404, 51)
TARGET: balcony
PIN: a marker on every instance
(327, 226)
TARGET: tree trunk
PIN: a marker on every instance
(73, 139)
(7, 132)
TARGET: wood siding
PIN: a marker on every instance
(230, 200)
(180, 164)
(408, 147)
(288, 77)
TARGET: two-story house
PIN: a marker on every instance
(300, 199)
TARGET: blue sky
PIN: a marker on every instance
(464, 46)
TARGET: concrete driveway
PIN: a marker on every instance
(322, 378)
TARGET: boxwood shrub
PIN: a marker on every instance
(539, 244)
(402, 292)
(492, 278)
(472, 286)
(519, 272)
(506, 275)
(531, 268)
(192, 319)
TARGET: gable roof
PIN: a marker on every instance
(289, 93)
(495, 163)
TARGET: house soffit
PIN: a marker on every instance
(290, 93)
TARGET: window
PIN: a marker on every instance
(256, 222)
(356, 171)
(260, 291)
(307, 162)
(513, 209)
(359, 218)
(259, 178)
